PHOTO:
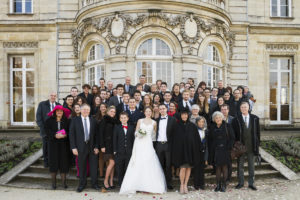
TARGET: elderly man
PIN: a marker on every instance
(128, 87)
(41, 116)
(84, 142)
(247, 130)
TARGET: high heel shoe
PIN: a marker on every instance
(181, 189)
(186, 189)
(106, 188)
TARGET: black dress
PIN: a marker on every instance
(106, 128)
(221, 141)
(59, 149)
(186, 145)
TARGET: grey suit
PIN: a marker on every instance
(114, 101)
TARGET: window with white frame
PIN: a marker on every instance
(281, 8)
(21, 6)
(154, 60)
(212, 67)
(22, 84)
(95, 65)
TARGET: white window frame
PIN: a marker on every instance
(278, 95)
(23, 7)
(23, 70)
(153, 58)
(213, 65)
(96, 64)
(279, 9)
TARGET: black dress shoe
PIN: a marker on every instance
(80, 189)
(238, 186)
(112, 187)
(252, 187)
(202, 187)
(96, 187)
(197, 187)
(218, 188)
(223, 187)
(53, 187)
(170, 187)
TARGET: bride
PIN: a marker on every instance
(144, 172)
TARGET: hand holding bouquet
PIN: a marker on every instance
(141, 133)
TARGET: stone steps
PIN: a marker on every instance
(38, 177)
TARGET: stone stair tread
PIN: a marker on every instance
(207, 176)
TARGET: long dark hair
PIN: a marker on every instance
(99, 115)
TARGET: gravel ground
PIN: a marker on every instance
(277, 189)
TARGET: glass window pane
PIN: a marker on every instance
(91, 76)
(30, 113)
(30, 96)
(17, 79)
(285, 64)
(18, 113)
(28, 6)
(284, 12)
(274, 10)
(162, 48)
(145, 48)
(29, 79)
(273, 63)
(17, 62)
(29, 62)
(100, 51)
(145, 67)
(17, 6)
(91, 56)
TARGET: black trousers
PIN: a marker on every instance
(164, 156)
(83, 157)
(199, 172)
(45, 150)
(122, 161)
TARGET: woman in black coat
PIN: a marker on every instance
(221, 141)
(185, 154)
(106, 127)
(199, 169)
(57, 129)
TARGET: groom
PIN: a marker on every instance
(166, 127)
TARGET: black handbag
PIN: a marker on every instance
(238, 148)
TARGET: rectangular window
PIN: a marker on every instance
(281, 8)
(94, 73)
(22, 90)
(211, 75)
(21, 6)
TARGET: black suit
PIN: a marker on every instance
(85, 149)
(134, 117)
(89, 99)
(121, 108)
(181, 107)
(146, 88)
(123, 144)
(41, 117)
(164, 151)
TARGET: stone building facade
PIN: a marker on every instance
(55, 45)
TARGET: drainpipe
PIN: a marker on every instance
(57, 52)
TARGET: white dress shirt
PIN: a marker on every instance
(120, 100)
(187, 104)
(51, 105)
(162, 131)
(87, 123)
(202, 134)
(246, 117)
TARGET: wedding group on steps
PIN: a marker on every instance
(145, 135)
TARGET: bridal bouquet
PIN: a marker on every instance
(141, 133)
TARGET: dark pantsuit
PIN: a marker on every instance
(199, 172)
(241, 160)
(122, 161)
(164, 156)
(83, 157)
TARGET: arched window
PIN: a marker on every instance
(212, 66)
(95, 65)
(154, 60)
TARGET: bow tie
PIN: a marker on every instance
(125, 127)
(163, 118)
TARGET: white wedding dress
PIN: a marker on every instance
(144, 172)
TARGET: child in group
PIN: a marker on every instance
(123, 143)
